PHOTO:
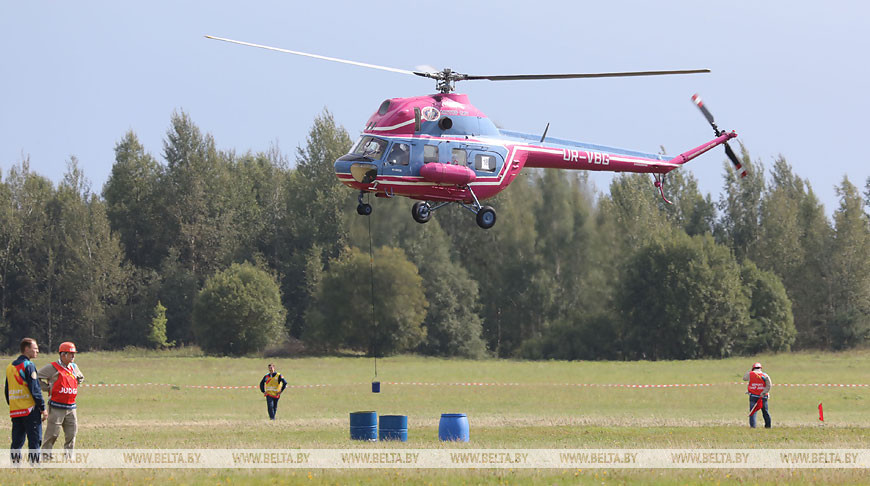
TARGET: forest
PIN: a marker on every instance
(240, 253)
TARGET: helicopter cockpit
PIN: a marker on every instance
(371, 148)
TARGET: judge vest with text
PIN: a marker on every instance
(62, 378)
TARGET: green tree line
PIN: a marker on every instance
(236, 252)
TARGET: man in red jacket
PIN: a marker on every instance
(758, 389)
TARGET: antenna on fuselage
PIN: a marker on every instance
(545, 132)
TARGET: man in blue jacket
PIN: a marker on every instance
(26, 405)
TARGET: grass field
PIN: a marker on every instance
(537, 405)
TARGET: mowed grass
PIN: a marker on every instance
(523, 405)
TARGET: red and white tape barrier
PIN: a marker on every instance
(621, 385)
(216, 387)
(414, 383)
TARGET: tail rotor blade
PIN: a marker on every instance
(734, 160)
(709, 116)
(730, 153)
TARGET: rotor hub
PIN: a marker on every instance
(445, 80)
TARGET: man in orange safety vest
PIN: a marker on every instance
(61, 378)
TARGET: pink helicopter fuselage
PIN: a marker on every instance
(402, 140)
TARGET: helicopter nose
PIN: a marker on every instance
(364, 173)
(342, 167)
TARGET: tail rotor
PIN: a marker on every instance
(728, 151)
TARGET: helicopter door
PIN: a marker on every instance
(398, 160)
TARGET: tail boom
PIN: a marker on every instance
(691, 154)
(600, 160)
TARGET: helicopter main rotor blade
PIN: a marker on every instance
(446, 78)
(325, 58)
(521, 77)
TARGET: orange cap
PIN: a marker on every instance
(757, 365)
(67, 347)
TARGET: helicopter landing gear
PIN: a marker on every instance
(486, 217)
(363, 209)
(421, 212)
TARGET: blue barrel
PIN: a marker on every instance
(453, 426)
(376, 387)
(393, 427)
(364, 426)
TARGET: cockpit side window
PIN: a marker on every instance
(430, 153)
(370, 147)
(400, 154)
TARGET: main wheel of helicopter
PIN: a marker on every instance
(421, 211)
(364, 209)
(486, 217)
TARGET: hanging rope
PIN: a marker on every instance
(372, 279)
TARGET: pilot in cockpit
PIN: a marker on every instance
(400, 154)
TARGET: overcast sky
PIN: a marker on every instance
(789, 77)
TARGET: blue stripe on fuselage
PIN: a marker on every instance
(561, 143)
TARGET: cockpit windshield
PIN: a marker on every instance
(370, 147)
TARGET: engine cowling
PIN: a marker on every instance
(447, 173)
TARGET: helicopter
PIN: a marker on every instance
(439, 149)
